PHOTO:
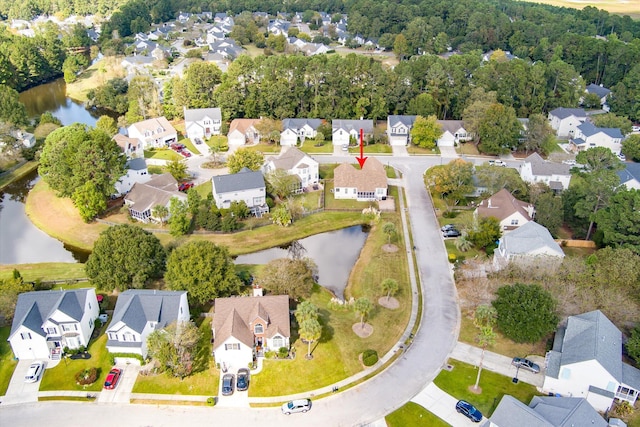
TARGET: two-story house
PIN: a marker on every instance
(297, 163)
(294, 130)
(565, 121)
(510, 212)
(366, 184)
(535, 169)
(588, 135)
(399, 129)
(201, 123)
(153, 133)
(144, 196)
(243, 131)
(131, 147)
(601, 92)
(138, 313)
(630, 176)
(453, 133)
(136, 172)
(245, 327)
(345, 130)
(245, 186)
(47, 322)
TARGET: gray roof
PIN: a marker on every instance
(589, 129)
(541, 167)
(511, 412)
(630, 376)
(34, 308)
(288, 159)
(349, 125)
(631, 172)
(529, 238)
(296, 124)
(159, 190)
(137, 164)
(243, 180)
(598, 90)
(601, 392)
(566, 412)
(136, 307)
(451, 125)
(197, 114)
(563, 113)
(591, 336)
(405, 120)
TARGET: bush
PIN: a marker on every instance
(87, 376)
(369, 357)
(211, 401)
(450, 214)
(452, 258)
(283, 352)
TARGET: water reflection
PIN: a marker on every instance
(335, 254)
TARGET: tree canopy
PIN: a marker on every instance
(244, 158)
(175, 348)
(452, 181)
(619, 221)
(426, 131)
(125, 256)
(12, 111)
(285, 276)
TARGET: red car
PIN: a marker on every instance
(185, 186)
(112, 378)
(185, 153)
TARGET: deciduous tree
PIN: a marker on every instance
(631, 147)
(177, 169)
(452, 181)
(243, 158)
(619, 220)
(12, 111)
(549, 212)
(175, 348)
(426, 131)
(10, 288)
(89, 201)
(486, 232)
(612, 120)
(179, 221)
(284, 276)
(499, 130)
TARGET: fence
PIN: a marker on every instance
(576, 243)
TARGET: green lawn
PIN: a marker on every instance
(44, 271)
(309, 147)
(7, 178)
(414, 149)
(326, 171)
(263, 147)
(7, 362)
(330, 202)
(412, 414)
(310, 201)
(162, 154)
(457, 382)
(218, 141)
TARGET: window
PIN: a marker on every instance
(258, 329)
(232, 346)
(70, 327)
(52, 331)
(514, 222)
(278, 341)
(90, 303)
(25, 335)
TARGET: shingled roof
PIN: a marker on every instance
(157, 191)
(528, 239)
(502, 204)
(197, 114)
(241, 125)
(288, 159)
(563, 113)
(541, 167)
(367, 179)
(246, 179)
(136, 307)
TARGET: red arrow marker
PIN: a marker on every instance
(361, 159)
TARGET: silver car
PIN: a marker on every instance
(526, 364)
(298, 405)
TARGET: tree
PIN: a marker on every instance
(306, 310)
(280, 184)
(426, 131)
(452, 181)
(203, 269)
(485, 338)
(175, 347)
(591, 100)
(401, 47)
(631, 147)
(619, 220)
(10, 288)
(390, 230)
(89, 201)
(362, 307)
(633, 344)
(201, 79)
(597, 159)
(611, 120)
(499, 130)
(549, 212)
(310, 330)
(244, 158)
(538, 134)
(123, 257)
(179, 221)
(177, 169)
(389, 287)
(108, 125)
(477, 105)
(526, 313)
(12, 111)
(486, 232)
(495, 179)
(284, 276)
(269, 128)
(484, 319)
(281, 216)
(160, 213)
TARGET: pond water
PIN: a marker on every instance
(335, 254)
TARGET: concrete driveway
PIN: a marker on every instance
(19, 391)
(436, 401)
(122, 392)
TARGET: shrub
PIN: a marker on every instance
(369, 357)
(452, 258)
(450, 214)
(87, 376)
(283, 352)
(211, 401)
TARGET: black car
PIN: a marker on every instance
(526, 364)
(242, 379)
(227, 384)
(451, 233)
(468, 410)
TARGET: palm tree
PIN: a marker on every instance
(462, 243)
(310, 330)
(305, 311)
(486, 337)
(389, 229)
(484, 319)
(389, 286)
(362, 306)
(160, 212)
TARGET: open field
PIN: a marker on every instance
(619, 7)
(96, 75)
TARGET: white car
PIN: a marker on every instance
(298, 405)
(569, 162)
(497, 163)
(34, 372)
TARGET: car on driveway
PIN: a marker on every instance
(497, 163)
(468, 410)
(227, 384)
(298, 405)
(452, 232)
(448, 227)
(177, 147)
(112, 378)
(185, 153)
(185, 186)
(34, 372)
(527, 364)
(242, 379)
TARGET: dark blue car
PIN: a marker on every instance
(468, 410)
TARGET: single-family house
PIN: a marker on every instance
(27, 139)
(245, 186)
(527, 245)
(510, 212)
(298, 129)
(453, 133)
(630, 176)
(399, 129)
(587, 135)
(311, 49)
(566, 120)
(344, 130)
(153, 133)
(137, 64)
(131, 147)
(136, 172)
(245, 327)
(278, 27)
(202, 122)
(296, 163)
(158, 191)
(535, 169)
(545, 411)
(138, 313)
(366, 184)
(586, 361)
(601, 92)
(242, 131)
(47, 322)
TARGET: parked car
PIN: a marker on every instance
(112, 378)
(448, 227)
(34, 372)
(177, 147)
(185, 153)
(468, 410)
(298, 405)
(227, 384)
(526, 364)
(242, 379)
(185, 186)
(622, 157)
(452, 232)
(198, 141)
(345, 147)
(497, 163)
(569, 162)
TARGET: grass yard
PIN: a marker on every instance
(44, 271)
(457, 382)
(162, 154)
(414, 149)
(326, 171)
(8, 177)
(372, 149)
(330, 202)
(204, 189)
(96, 75)
(7, 362)
(264, 148)
(310, 201)
(309, 147)
(219, 142)
(468, 148)
(412, 414)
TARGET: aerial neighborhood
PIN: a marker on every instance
(397, 213)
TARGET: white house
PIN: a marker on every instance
(453, 133)
(202, 122)
(298, 129)
(630, 176)
(587, 135)
(138, 313)
(586, 361)
(343, 130)
(245, 186)
(245, 327)
(136, 172)
(243, 131)
(366, 184)
(510, 212)
(297, 163)
(566, 120)
(529, 244)
(535, 169)
(27, 139)
(399, 129)
(153, 133)
(144, 196)
(47, 322)
(131, 147)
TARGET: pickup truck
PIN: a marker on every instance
(497, 163)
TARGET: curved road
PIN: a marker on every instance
(358, 406)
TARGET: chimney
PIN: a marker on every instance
(257, 291)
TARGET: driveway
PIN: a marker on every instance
(436, 401)
(19, 391)
(122, 392)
